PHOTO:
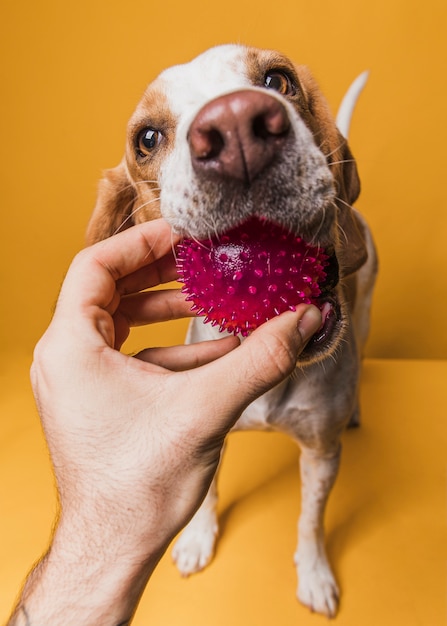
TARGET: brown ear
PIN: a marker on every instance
(114, 205)
(353, 252)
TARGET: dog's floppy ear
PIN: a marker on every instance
(114, 205)
(353, 252)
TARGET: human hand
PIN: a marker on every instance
(134, 442)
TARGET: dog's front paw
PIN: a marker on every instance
(194, 548)
(317, 588)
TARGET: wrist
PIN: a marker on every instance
(86, 578)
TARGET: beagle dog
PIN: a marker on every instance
(240, 132)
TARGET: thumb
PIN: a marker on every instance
(262, 361)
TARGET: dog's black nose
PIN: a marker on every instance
(237, 135)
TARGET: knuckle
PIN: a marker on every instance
(282, 355)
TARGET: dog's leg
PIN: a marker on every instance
(194, 548)
(317, 588)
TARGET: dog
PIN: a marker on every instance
(241, 132)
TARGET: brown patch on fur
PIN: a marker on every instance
(351, 249)
(260, 62)
(129, 193)
(349, 286)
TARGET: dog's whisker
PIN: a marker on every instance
(343, 232)
(341, 162)
(156, 240)
(127, 218)
(173, 248)
(199, 242)
(349, 206)
(211, 226)
(345, 236)
(211, 233)
(146, 181)
(134, 183)
(320, 227)
(134, 212)
(336, 149)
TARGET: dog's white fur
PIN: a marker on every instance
(318, 185)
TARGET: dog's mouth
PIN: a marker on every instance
(324, 337)
(248, 274)
(330, 309)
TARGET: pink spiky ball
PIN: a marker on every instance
(248, 275)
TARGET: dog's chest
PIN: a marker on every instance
(263, 413)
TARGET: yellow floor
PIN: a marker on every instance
(386, 522)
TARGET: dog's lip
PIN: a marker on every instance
(330, 313)
(329, 306)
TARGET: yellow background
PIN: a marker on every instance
(73, 72)
(71, 75)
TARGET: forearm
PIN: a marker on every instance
(76, 584)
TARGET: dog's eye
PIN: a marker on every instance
(147, 140)
(281, 82)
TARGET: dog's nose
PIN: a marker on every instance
(237, 135)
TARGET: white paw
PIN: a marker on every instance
(317, 588)
(194, 548)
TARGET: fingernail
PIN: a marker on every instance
(309, 323)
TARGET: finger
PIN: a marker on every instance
(148, 307)
(162, 271)
(263, 360)
(136, 247)
(154, 306)
(179, 358)
(92, 276)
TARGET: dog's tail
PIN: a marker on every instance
(348, 103)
